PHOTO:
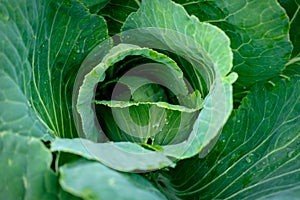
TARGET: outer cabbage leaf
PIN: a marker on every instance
(257, 155)
(26, 174)
(94, 6)
(116, 13)
(42, 46)
(292, 7)
(91, 180)
(258, 31)
(16, 112)
(99, 3)
(291, 194)
(122, 156)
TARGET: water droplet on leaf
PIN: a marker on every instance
(248, 160)
(290, 154)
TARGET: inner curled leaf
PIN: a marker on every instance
(159, 122)
(150, 102)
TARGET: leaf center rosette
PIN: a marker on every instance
(155, 94)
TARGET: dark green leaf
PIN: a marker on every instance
(258, 31)
(257, 155)
(116, 12)
(42, 47)
(95, 5)
(292, 8)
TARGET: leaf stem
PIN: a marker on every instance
(137, 2)
(292, 61)
(295, 15)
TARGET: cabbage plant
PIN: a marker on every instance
(149, 99)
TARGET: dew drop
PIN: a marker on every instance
(155, 126)
(290, 154)
(248, 160)
(5, 17)
(111, 182)
(250, 157)
(10, 162)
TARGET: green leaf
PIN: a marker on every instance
(25, 163)
(148, 116)
(116, 12)
(258, 32)
(42, 47)
(213, 43)
(290, 194)
(122, 156)
(292, 67)
(16, 112)
(94, 6)
(163, 123)
(91, 180)
(91, 3)
(292, 8)
(124, 104)
(257, 155)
